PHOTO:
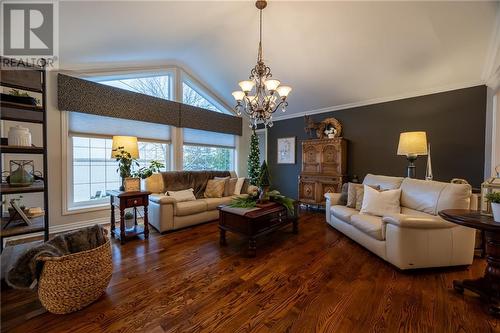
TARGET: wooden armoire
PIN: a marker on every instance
(323, 169)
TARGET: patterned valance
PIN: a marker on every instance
(79, 95)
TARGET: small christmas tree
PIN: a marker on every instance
(264, 183)
(254, 160)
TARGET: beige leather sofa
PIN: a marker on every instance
(166, 214)
(417, 237)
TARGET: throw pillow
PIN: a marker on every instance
(343, 194)
(381, 203)
(355, 194)
(215, 188)
(239, 185)
(184, 195)
(227, 185)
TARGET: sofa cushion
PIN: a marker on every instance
(384, 182)
(380, 203)
(215, 188)
(183, 195)
(370, 225)
(455, 196)
(412, 212)
(212, 203)
(355, 194)
(421, 195)
(197, 180)
(190, 207)
(343, 213)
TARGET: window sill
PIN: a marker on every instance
(86, 209)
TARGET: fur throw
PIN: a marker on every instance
(27, 269)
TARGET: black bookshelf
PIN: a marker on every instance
(33, 79)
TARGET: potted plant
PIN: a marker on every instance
(129, 220)
(125, 162)
(494, 199)
(145, 172)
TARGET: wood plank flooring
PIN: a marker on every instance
(317, 281)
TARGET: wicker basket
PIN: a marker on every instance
(71, 282)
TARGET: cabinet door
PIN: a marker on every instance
(330, 187)
(307, 191)
(331, 159)
(310, 158)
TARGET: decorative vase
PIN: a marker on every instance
(428, 170)
(495, 208)
(19, 136)
(21, 173)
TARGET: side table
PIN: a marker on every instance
(488, 286)
(123, 200)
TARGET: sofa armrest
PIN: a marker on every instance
(474, 202)
(162, 199)
(333, 198)
(417, 222)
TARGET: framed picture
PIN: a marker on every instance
(286, 150)
(132, 184)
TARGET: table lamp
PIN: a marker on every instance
(128, 144)
(412, 144)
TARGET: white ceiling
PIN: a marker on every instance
(331, 53)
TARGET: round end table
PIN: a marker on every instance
(488, 286)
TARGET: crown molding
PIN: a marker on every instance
(379, 100)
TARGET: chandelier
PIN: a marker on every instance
(261, 95)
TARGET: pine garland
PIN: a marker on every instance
(254, 160)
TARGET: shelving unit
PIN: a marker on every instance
(31, 79)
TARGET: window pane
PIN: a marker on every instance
(157, 86)
(208, 158)
(94, 171)
(192, 97)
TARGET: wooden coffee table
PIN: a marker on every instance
(252, 223)
(488, 286)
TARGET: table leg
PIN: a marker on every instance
(222, 238)
(146, 222)
(295, 225)
(112, 221)
(122, 226)
(252, 247)
(135, 215)
(487, 287)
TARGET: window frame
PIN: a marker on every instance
(233, 159)
(175, 159)
(203, 92)
(99, 77)
(104, 202)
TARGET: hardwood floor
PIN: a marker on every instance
(316, 281)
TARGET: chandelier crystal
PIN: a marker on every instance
(261, 95)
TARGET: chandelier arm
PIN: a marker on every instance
(283, 102)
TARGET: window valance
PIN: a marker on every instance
(83, 96)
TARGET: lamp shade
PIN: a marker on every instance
(412, 143)
(129, 144)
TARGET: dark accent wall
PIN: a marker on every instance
(454, 122)
(79, 95)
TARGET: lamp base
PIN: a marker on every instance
(411, 171)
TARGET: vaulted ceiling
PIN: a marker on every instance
(331, 53)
